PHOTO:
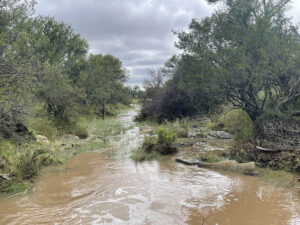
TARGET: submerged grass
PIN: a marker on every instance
(180, 127)
(140, 155)
(280, 178)
(210, 157)
(156, 146)
(101, 128)
(23, 162)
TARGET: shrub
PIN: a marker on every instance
(8, 157)
(140, 155)
(279, 178)
(31, 162)
(14, 186)
(154, 147)
(166, 136)
(237, 122)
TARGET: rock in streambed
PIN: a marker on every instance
(226, 165)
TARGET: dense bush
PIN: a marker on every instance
(23, 162)
(227, 58)
(153, 147)
(31, 161)
(166, 136)
(47, 82)
(238, 123)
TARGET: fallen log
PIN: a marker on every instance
(267, 149)
(277, 149)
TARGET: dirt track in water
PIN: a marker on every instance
(109, 188)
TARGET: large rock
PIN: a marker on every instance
(227, 165)
(71, 138)
(42, 139)
(184, 144)
(146, 129)
(221, 134)
(232, 166)
(4, 177)
(188, 162)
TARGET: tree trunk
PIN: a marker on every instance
(103, 111)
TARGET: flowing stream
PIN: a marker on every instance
(109, 188)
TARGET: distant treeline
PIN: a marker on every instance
(43, 62)
(246, 55)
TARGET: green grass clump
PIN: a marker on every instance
(179, 127)
(181, 132)
(166, 136)
(145, 153)
(210, 157)
(43, 126)
(238, 123)
(14, 186)
(140, 155)
(52, 128)
(76, 129)
(279, 178)
(101, 128)
(31, 162)
(154, 147)
(22, 163)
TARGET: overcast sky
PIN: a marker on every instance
(139, 32)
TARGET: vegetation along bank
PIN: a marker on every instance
(240, 67)
(52, 94)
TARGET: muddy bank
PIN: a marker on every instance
(225, 165)
(269, 157)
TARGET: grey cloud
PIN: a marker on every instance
(132, 81)
(136, 31)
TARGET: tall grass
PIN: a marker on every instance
(166, 136)
(22, 163)
(280, 178)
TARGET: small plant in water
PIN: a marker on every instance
(153, 147)
(166, 136)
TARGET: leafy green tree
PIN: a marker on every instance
(247, 53)
(252, 49)
(18, 70)
(103, 82)
(189, 91)
(136, 91)
(61, 97)
(39, 56)
(55, 42)
(62, 53)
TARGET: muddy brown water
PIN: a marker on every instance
(109, 188)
